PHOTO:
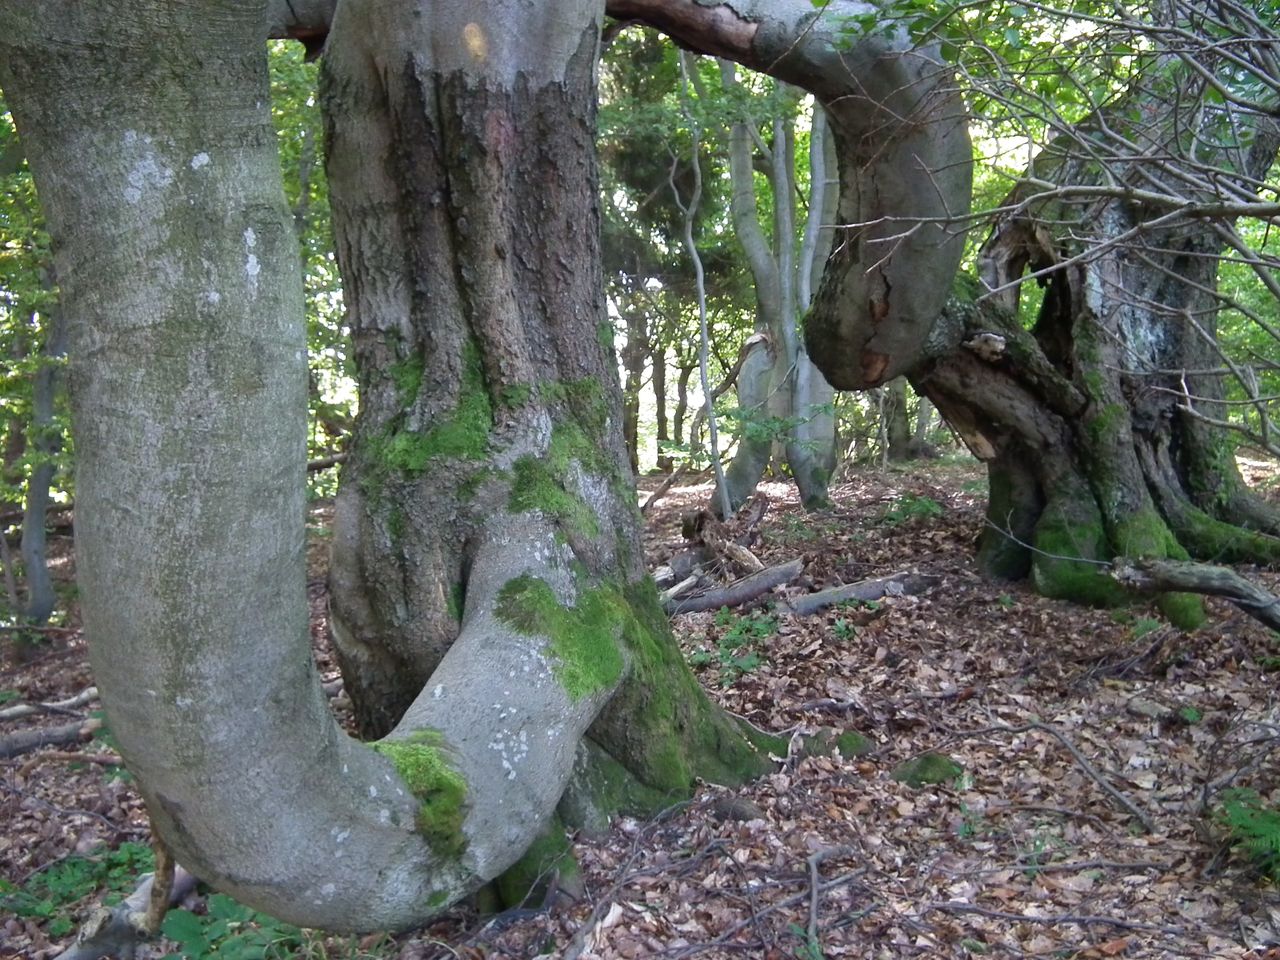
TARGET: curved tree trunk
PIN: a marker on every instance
(905, 170)
(486, 521)
(189, 404)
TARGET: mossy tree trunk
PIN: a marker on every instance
(486, 519)
(1083, 419)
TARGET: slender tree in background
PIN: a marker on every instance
(779, 384)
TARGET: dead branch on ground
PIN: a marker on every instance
(740, 591)
(1163, 576)
(901, 584)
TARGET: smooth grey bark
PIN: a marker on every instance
(148, 130)
(791, 393)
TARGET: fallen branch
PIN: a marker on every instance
(1052, 919)
(68, 756)
(24, 741)
(57, 706)
(118, 931)
(740, 591)
(897, 585)
(815, 886)
(1163, 576)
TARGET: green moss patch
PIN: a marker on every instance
(463, 436)
(537, 484)
(440, 790)
(927, 769)
(584, 638)
(1059, 538)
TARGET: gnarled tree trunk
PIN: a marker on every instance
(1084, 419)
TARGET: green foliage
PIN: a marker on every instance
(736, 650)
(912, 507)
(52, 894)
(843, 629)
(229, 931)
(1254, 826)
(1143, 626)
(810, 947)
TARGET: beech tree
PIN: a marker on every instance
(488, 600)
(1099, 407)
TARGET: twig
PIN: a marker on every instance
(791, 901)
(1093, 865)
(1054, 919)
(57, 706)
(1084, 764)
(815, 887)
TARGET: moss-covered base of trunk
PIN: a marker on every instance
(660, 724)
(547, 866)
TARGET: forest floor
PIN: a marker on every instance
(1070, 728)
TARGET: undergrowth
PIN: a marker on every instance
(1252, 826)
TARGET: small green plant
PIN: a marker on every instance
(911, 507)
(735, 651)
(1190, 716)
(843, 629)
(1143, 626)
(1005, 601)
(229, 931)
(1253, 826)
(51, 894)
(810, 948)
(973, 823)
